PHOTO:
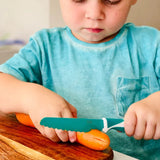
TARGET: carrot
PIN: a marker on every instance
(93, 139)
(24, 119)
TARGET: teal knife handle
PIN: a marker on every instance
(118, 122)
(120, 129)
(111, 121)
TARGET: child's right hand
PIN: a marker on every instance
(45, 103)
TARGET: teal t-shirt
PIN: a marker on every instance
(100, 80)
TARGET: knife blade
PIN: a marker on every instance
(83, 124)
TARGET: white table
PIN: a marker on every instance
(120, 156)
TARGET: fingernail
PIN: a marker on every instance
(72, 139)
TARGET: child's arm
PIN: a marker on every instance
(38, 102)
(142, 119)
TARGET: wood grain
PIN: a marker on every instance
(8, 153)
(25, 151)
(31, 138)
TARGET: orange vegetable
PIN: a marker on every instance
(93, 139)
(24, 119)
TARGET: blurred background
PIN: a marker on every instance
(19, 19)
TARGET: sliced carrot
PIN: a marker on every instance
(24, 119)
(94, 139)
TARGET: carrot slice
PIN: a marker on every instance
(24, 119)
(94, 139)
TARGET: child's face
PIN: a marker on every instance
(95, 21)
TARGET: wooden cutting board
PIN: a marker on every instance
(19, 142)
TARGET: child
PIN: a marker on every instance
(96, 67)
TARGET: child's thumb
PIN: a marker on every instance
(70, 111)
(73, 110)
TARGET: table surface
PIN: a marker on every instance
(120, 156)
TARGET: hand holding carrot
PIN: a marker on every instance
(46, 103)
(36, 101)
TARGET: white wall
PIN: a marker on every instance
(55, 14)
(21, 18)
(146, 12)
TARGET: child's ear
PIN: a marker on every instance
(133, 2)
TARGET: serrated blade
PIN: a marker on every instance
(72, 124)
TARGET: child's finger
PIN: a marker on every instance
(63, 135)
(157, 132)
(66, 112)
(140, 128)
(150, 130)
(72, 136)
(72, 109)
(130, 121)
(47, 132)
(51, 134)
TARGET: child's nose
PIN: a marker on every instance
(95, 11)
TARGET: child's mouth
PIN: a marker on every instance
(94, 30)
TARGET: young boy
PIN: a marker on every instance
(95, 67)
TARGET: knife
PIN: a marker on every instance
(83, 124)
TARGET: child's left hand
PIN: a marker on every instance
(142, 120)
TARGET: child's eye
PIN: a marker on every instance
(78, 1)
(111, 2)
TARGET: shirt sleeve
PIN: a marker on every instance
(25, 65)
